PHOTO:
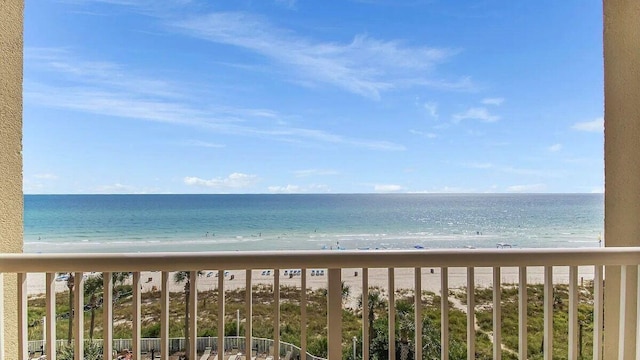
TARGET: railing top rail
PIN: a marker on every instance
(237, 260)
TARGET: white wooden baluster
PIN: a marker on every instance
(220, 339)
(471, 314)
(444, 313)
(497, 315)
(193, 314)
(392, 314)
(50, 346)
(522, 312)
(598, 311)
(623, 310)
(418, 313)
(365, 314)
(548, 313)
(78, 316)
(276, 314)
(573, 313)
(107, 313)
(334, 314)
(248, 309)
(164, 316)
(137, 314)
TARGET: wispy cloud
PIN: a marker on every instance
(47, 176)
(106, 88)
(596, 125)
(527, 188)
(365, 66)
(539, 173)
(116, 188)
(446, 189)
(555, 147)
(431, 108)
(475, 113)
(542, 173)
(297, 189)
(233, 181)
(387, 188)
(493, 101)
(205, 144)
(428, 135)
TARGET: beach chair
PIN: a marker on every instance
(233, 357)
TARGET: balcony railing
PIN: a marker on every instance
(449, 264)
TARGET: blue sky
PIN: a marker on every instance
(286, 96)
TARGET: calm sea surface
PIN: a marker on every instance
(147, 223)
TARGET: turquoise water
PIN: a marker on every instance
(146, 223)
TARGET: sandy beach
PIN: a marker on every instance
(404, 279)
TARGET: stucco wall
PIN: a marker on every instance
(11, 200)
(622, 153)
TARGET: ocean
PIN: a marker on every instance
(158, 223)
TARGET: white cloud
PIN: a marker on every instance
(493, 101)
(446, 189)
(314, 172)
(428, 135)
(46, 176)
(530, 172)
(387, 188)
(116, 188)
(296, 189)
(233, 181)
(527, 188)
(555, 147)
(596, 125)
(289, 189)
(108, 89)
(476, 113)
(205, 144)
(365, 66)
(432, 109)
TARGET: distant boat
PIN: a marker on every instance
(502, 245)
(418, 247)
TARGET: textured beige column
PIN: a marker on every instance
(11, 20)
(622, 157)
